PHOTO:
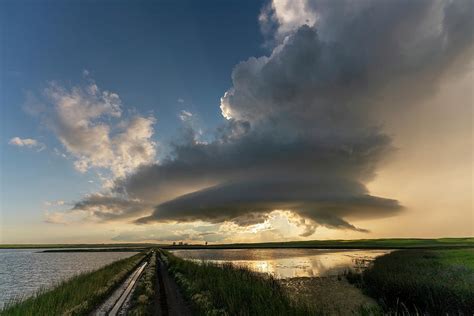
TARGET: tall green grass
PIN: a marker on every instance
(423, 281)
(228, 290)
(78, 295)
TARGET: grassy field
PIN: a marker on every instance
(144, 299)
(427, 281)
(389, 243)
(386, 243)
(78, 295)
(227, 290)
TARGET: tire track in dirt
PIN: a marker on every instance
(171, 302)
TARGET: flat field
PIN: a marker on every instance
(385, 243)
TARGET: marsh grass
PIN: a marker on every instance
(78, 295)
(143, 301)
(421, 281)
(228, 290)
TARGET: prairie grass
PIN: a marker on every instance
(78, 295)
(422, 281)
(228, 290)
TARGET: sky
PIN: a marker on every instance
(235, 121)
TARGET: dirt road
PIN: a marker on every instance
(171, 302)
(168, 300)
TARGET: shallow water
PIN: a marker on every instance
(25, 271)
(288, 263)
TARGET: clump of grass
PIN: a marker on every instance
(228, 290)
(423, 281)
(78, 295)
(143, 299)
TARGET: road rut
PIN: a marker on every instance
(171, 302)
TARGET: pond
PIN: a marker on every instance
(288, 263)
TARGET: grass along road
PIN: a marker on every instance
(144, 299)
(114, 304)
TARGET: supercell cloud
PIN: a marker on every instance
(303, 126)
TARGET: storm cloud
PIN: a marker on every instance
(107, 208)
(304, 125)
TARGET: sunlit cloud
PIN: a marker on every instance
(27, 143)
(54, 203)
(91, 126)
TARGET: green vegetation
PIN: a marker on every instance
(144, 300)
(78, 295)
(227, 290)
(389, 243)
(422, 281)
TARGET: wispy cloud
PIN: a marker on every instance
(185, 115)
(55, 203)
(27, 142)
